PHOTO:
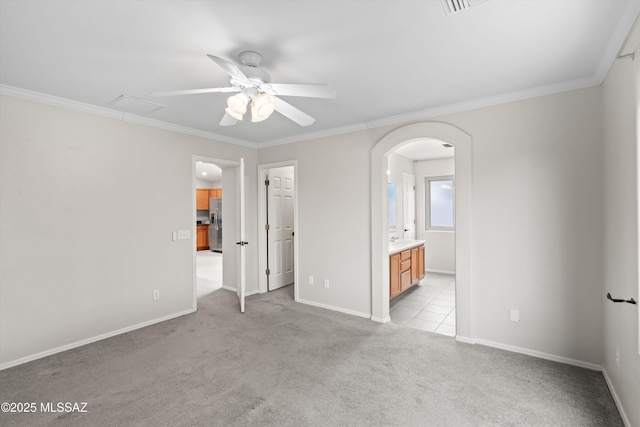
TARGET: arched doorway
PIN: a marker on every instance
(379, 233)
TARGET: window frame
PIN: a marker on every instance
(427, 202)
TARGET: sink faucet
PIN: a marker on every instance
(393, 239)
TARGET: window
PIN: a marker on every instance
(439, 199)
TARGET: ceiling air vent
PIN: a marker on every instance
(134, 105)
(455, 6)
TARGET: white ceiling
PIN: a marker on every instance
(208, 171)
(425, 149)
(387, 60)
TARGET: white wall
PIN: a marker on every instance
(397, 166)
(333, 218)
(80, 252)
(620, 151)
(440, 246)
(205, 183)
(536, 214)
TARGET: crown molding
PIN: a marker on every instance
(55, 101)
(442, 110)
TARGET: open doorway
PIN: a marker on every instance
(278, 218)
(228, 268)
(422, 172)
(380, 265)
(209, 227)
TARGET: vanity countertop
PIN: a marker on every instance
(403, 245)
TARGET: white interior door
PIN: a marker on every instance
(409, 205)
(241, 243)
(280, 196)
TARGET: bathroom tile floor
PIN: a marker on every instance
(429, 306)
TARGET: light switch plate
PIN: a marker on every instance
(514, 315)
(184, 234)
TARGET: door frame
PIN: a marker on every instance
(223, 164)
(262, 218)
(379, 219)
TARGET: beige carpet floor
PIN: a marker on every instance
(288, 364)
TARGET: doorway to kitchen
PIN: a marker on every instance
(277, 224)
(380, 234)
(208, 188)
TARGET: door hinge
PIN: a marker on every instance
(266, 182)
(266, 227)
(267, 272)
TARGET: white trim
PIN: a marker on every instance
(616, 399)
(429, 270)
(466, 340)
(540, 354)
(82, 107)
(430, 113)
(334, 308)
(96, 338)
(381, 319)
(379, 233)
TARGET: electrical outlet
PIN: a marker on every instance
(514, 315)
(184, 234)
(618, 357)
(326, 283)
(156, 294)
(311, 280)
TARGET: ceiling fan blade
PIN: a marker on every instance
(227, 120)
(196, 91)
(306, 90)
(291, 112)
(231, 69)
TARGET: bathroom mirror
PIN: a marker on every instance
(391, 195)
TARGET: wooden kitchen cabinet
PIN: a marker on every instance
(406, 269)
(202, 237)
(215, 193)
(202, 199)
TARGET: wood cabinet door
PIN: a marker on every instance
(414, 266)
(202, 199)
(405, 280)
(421, 262)
(394, 275)
(202, 237)
(215, 193)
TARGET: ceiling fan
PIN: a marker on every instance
(254, 87)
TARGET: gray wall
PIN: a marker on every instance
(88, 205)
(536, 214)
(620, 204)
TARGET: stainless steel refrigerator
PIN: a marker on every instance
(215, 228)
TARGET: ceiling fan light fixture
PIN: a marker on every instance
(233, 114)
(261, 107)
(238, 104)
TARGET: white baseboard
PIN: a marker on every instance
(616, 399)
(381, 319)
(100, 337)
(334, 308)
(541, 355)
(429, 270)
(465, 340)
